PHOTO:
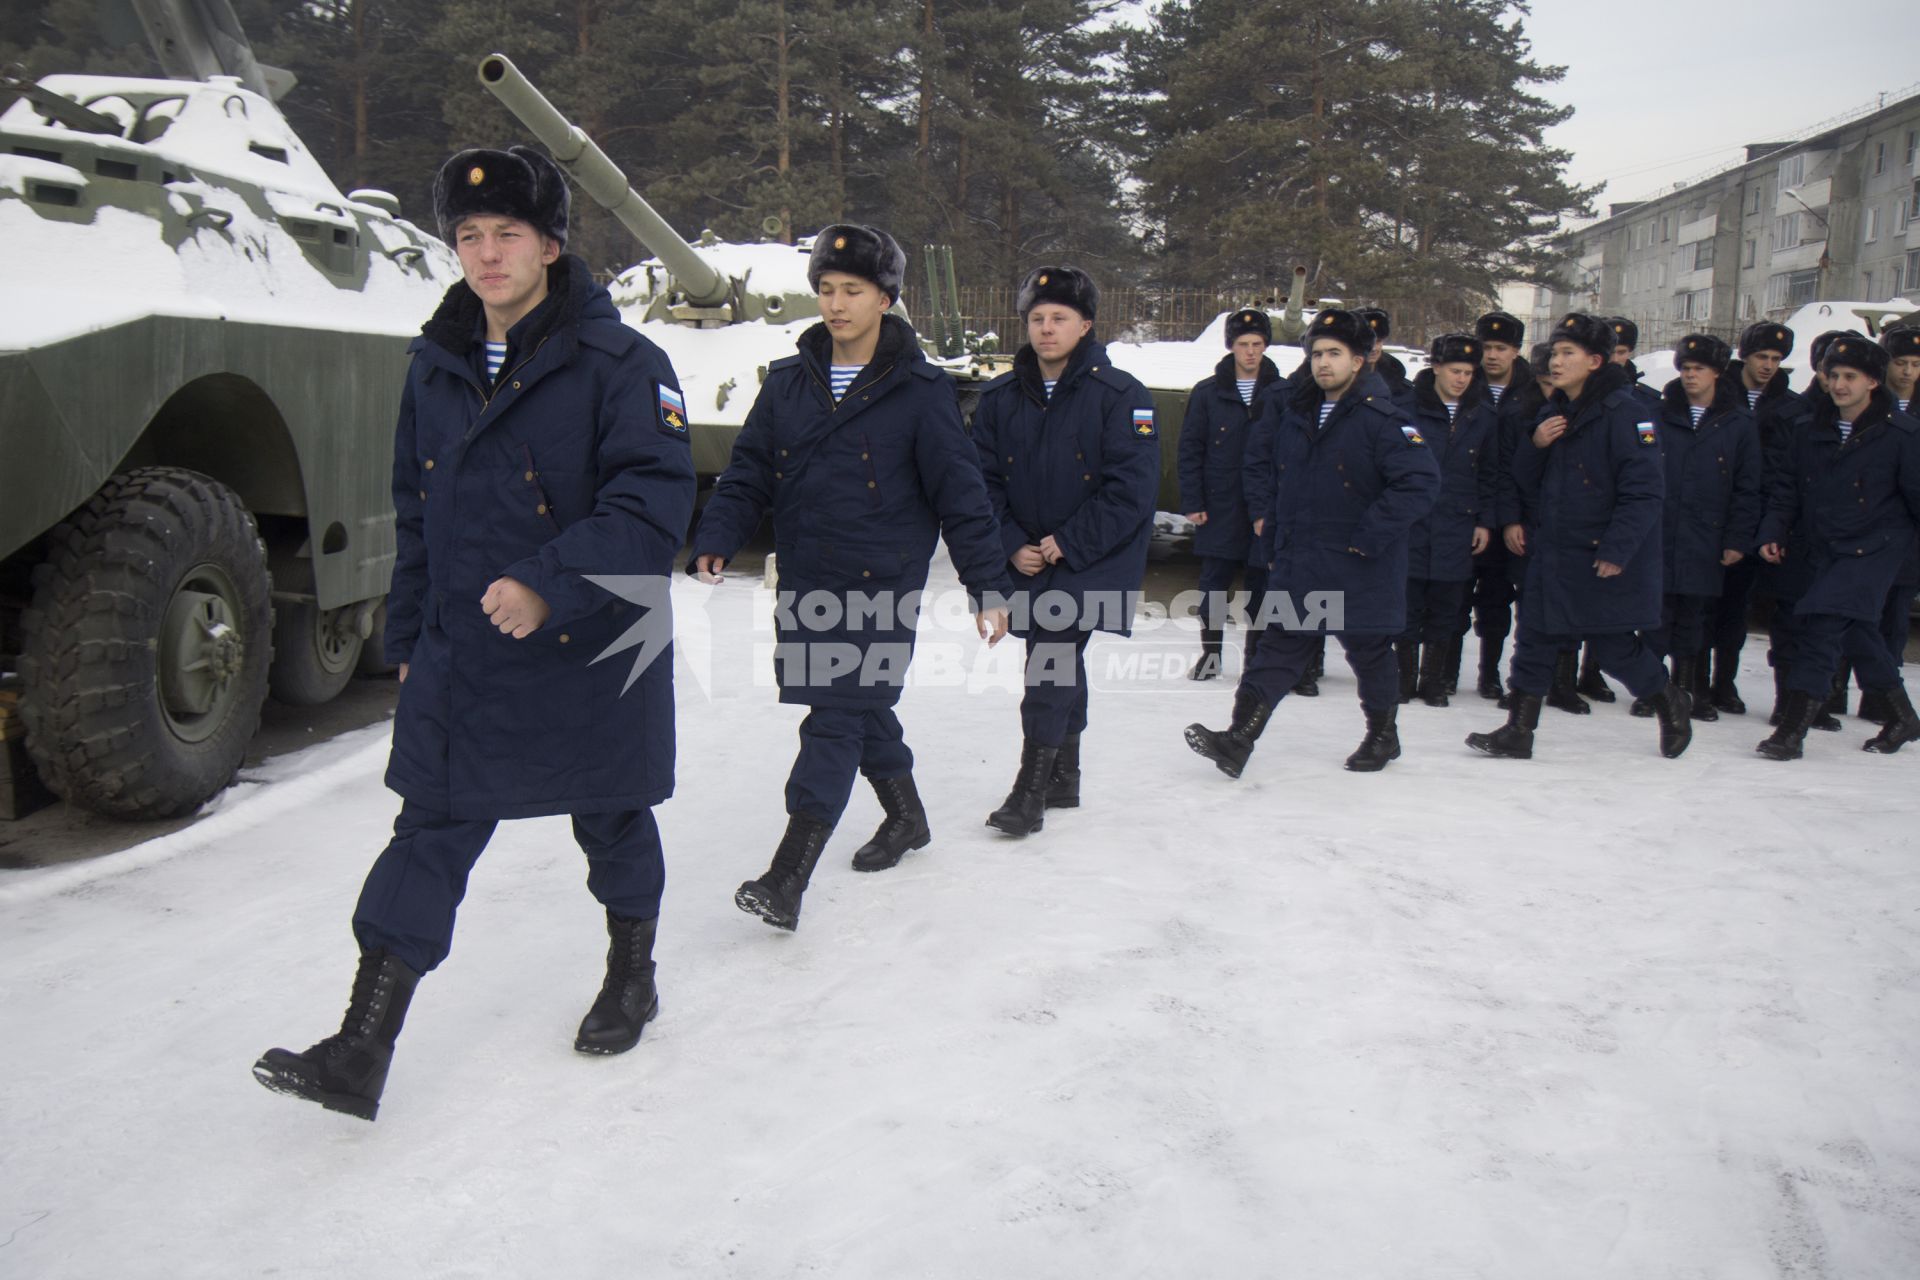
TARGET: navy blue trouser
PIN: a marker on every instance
(1727, 622)
(1055, 702)
(408, 902)
(835, 744)
(1683, 626)
(1784, 632)
(1897, 621)
(1216, 582)
(1496, 586)
(1434, 610)
(1824, 638)
(1284, 656)
(1620, 655)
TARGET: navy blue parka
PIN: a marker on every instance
(1213, 458)
(1713, 487)
(1466, 449)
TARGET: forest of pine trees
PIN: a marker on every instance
(1394, 147)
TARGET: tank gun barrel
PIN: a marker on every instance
(1293, 320)
(603, 180)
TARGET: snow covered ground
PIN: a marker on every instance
(1600, 1015)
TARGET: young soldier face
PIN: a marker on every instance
(1571, 365)
(1054, 330)
(505, 261)
(1335, 366)
(1248, 348)
(1497, 359)
(1761, 366)
(1623, 354)
(1452, 380)
(1849, 387)
(1902, 375)
(851, 306)
(1697, 380)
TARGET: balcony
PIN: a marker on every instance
(1704, 229)
(1799, 258)
(1808, 195)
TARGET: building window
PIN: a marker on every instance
(1879, 157)
(1913, 145)
(1866, 285)
(1873, 225)
(1913, 201)
(1901, 216)
(1786, 232)
(1663, 276)
(1792, 289)
(1749, 308)
(1695, 305)
(1751, 254)
(1753, 206)
(1913, 269)
(1793, 170)
(1703, 255)
(1666, 229)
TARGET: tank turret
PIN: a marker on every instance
(695, 291)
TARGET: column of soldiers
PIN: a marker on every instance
(542, 449)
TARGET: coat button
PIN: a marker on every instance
(541, 509)
(565, 638)
(779, 475)
(423, 495)
(1079, 457)
(872, 485)
(529, 477)
(865, 456)
(1009, 457)
(429, 464)
(783, 453)
(516, 384)
(1087, 476)
(866, 573)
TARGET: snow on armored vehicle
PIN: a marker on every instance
(201, 357)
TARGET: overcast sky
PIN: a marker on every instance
(1666, 90)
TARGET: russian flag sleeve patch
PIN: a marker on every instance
(1647, 434)
(673, 411)
(1412, 433)
(1143, 423)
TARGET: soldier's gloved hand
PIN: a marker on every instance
(514, 607)
(708, 568)
(994, 621)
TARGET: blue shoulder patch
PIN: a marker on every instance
(1647, 433)
(1412, 433)
(1143, 423)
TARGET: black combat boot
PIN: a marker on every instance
(1491, 687)
(1514, 739)
(775, 896)
(1563, 696)
(1407, 654)
(1642, 709)
(1229, 748)
(1432, 688)
(1592, 683)
(1381, 744)
(1063, 788)
(1779, 697)
(1673, 707)
(346, 1071)
(904, 827)
(1208, 667)
(627, 1001)
(1686, 674)
(1827, 714)
(1025, 809)
(1726, 690)
(1873, 706)
(1794, 712)
(1309, 683)
(1902, 725)
(1450, 666)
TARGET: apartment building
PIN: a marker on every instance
(1833, 215)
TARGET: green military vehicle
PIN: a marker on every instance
(201, 357)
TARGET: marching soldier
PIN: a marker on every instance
(1213, 451)
(1903, 373)
(1710, 450)
(1756, 373)
(1851, 482)
(1514, 389)
(1072, 461)
(539, 442)
(855, 446)
(1455, 415)
(1590, 488)
(1382, 361)
(1903, 365)
(1591, 684)
(1342, 475)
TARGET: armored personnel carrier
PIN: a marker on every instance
(201, 357)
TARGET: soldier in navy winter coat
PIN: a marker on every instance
(1755, 373)
(1514, 389)
(1071, 454)
(1450, 406)
(1710, 451)
(1383, 362)
(1903, 383)
(541, 444)
(1213, 452)
(1850, 484)
(1590, 487)
(855, 446)
(1342, 475)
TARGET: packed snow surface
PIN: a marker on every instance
(1596, 1015)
